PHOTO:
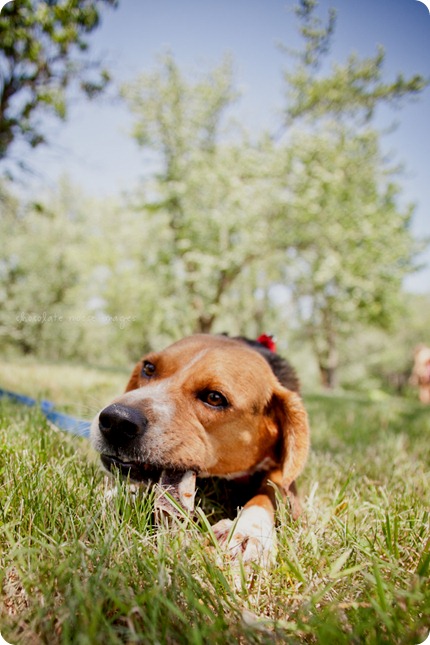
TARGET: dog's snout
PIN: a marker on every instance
(118, 423)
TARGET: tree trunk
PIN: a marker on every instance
(225, 278)
(328, 360)
(328, 376)
(204, 324)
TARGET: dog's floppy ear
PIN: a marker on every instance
(292, 420)
(133, 383)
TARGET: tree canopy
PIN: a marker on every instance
(354, 243)
(40, 43)
(354, 88)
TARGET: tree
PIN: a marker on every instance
(207, 200)
(41, 274)
(341, 203)
(40, 43)
(353, 240)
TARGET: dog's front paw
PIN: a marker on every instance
(250, 537)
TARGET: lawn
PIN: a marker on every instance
(73, 569)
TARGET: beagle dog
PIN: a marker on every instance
(209, 407)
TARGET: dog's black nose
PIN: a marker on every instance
(119, 423)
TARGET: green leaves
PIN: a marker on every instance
(353, 243)
(201, 195)
(39, 46)
(350, 90)
(343, 211)
(178, 118)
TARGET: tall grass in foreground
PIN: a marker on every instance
(353, 569)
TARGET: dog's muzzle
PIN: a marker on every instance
(121, 426)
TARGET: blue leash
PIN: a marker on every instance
(63, 421)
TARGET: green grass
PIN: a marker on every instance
(353, 569)
(77, 390)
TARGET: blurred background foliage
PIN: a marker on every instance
(301, 233)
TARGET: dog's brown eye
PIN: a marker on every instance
(148, 369)
(213, 398)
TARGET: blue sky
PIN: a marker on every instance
(94, 147)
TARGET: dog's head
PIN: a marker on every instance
(209, 404)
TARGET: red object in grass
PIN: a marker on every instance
(267, 341)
